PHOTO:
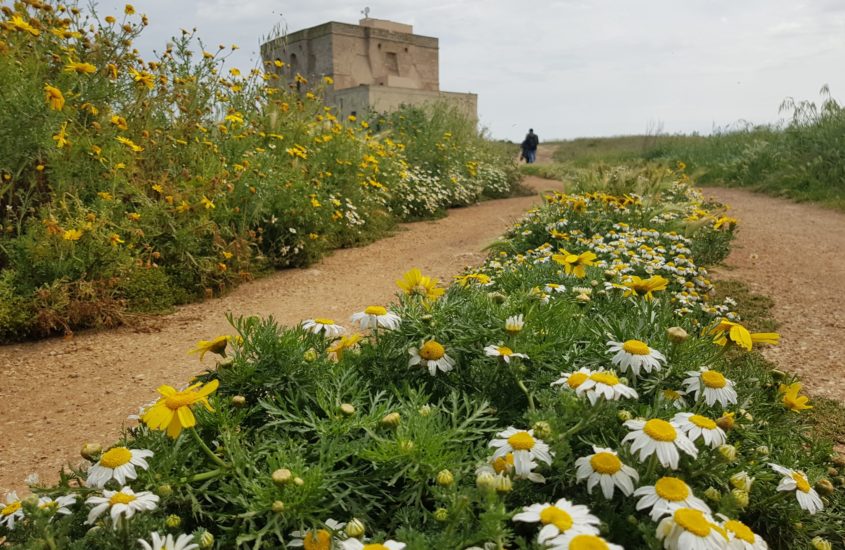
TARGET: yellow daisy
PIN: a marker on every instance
(172, 412)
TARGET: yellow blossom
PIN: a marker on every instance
(343, 344)
(172, 412)
(207, 203)
(414, 283)
(115, 239)
(61, 138)
(217, 345)
(129, 9)
(791, 400)
(644, 287)
(727, 330)
(120, 122)
(129, 143)
(80, 68)
(54, 97)
(575, 264)
(72, 235)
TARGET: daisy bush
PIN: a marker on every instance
(497, 412)
(130, 184)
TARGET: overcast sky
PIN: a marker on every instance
(571, 68)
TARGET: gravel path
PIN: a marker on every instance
(57, 394)
(795, 254)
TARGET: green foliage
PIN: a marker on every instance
(304, 430)
(111, 165)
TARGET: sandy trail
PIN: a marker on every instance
(57, 394)
(795, 254)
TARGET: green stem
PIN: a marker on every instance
(203, 476)
(776, 496)
(527, 393)
(652, 465)
(214, 458)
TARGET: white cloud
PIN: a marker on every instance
(574, 67)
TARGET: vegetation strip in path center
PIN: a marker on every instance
(580, 382)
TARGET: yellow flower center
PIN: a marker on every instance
(693, 521)
(432, 351)
(587, 542)
(180, 399)
(121, 498)
(375, 547)
(671, 489)
(702, 422)
(376, 310)
(11, 508)
(801, 482)
(741, 530)
(713, 379)
(636, 347)
(671, 395)
(323, 321)
(660, 430)
(115, 457)
(605, 463)
(317, 540)
(504, 351)
(553, 515)
(49, 505)
(576, 379)
(419, 290)
(503, 463)
(605, 378)
(521, 441)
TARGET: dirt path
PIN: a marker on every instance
(794, 254)
(57, 394)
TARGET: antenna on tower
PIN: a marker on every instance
(366, 12)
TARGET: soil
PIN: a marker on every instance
(58, 394)
(793, 253)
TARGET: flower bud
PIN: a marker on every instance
(441, 515)
(206, 540)
(238, 401)
(391, 420)
(427, 319)
(277, 507)
(676, 335)
(727, 452)
(825, 487)
(347, 409)
(173, 521)
(726, 421)
(485, 480)
(778, 374)
(310, 356)
(425, 410)
(582, 299)
(406, 445)
(298, 481)
(542, 429)
(503, 484)
(91, 451)
(497, 297)
(445, 478)
(712, 494)
(740, 497)
(355, 528)
(821, 544)
(624, 415)
(741, 480)
(762, 450)
(30, 501)
(838, 460)
(832, 472)
(282, 476)
(164, 490)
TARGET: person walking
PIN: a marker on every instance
(529, 146)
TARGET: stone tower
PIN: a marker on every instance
(376, 65)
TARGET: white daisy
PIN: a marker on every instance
(659, 437)
(740, 536)
(432, 356)
(120, 503)
(503, 465)
(604, 468)
(525, 448)
(377, 316)
(573, 380)
(605, 384)
(793, 480)
(355, 544)
(502, 351)
(182, 542)
(561, 517)
(319, 538)
(326, 326)
(713, 385)
(514, 324)
(58, 505)
(667, 495)
(581, 541)
(118, 464)
(551, 288)
(673, 397)
(635, 355)
(12, 511)
(696, 426)
(690, 529)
